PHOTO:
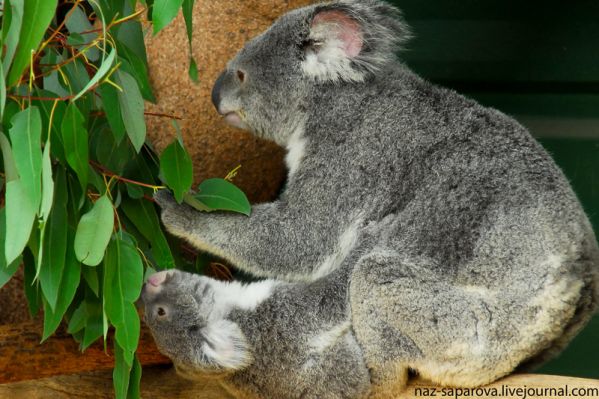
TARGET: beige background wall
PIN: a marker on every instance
(220, 30)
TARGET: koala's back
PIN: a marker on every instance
(470, 209)
(458, 176)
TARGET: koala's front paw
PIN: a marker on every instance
(177, 218)
(165, 199)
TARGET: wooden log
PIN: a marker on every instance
(162, 382)
(22, 357)
(57, 369)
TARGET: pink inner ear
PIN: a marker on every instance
(348, 30)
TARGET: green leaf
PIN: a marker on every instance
(10, 167)
(187, 8)
(112, 109)
(177, 169)
(11, 28)
(90, 275)
(75, 141)
(193, 70)
(121, 372)
(77, 321)
(6, 272)
(2, 92)
(47, 184)
(143, 215)
(221, 194)
(20, 214)
(127, 332)
(32, 291)
(132, 109)
(93, 322)
(136, 67)
(111, 154)
(69, 282)
(134, 380)
(164, 12)
(77, 23)
(123, 279)
(25, 135)
(100, 73)
(45, 107)
(94, 231)
(55, 245)
(37, 15)
(134, 191)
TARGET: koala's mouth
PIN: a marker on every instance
(234, 119)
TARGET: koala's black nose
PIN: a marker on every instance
(216, 90)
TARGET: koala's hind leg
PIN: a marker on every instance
(406, 316)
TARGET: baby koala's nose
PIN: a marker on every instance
(157, 278)
(154, 283)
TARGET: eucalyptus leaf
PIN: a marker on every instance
(193, 70)
(75, 141)
(221, 194)
(77, 23)
(176, 169)
(55, 245)
(112, 110)
(143, 215)
(37, 15)
(123, 279)
(77, 321)
(11, 29)
(47, 184)
(94, 231)
(90, 275)
(25, 135)
(134, 380)
(93, 322)
(32, 291)
(10, 167)
(164, 12)
(105, 67)
(2, 92)
(6, 272)
(68, 287)
(132, 109)
(121, 373)
(20, 215)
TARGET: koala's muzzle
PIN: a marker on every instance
(216, 91)
(225, 102)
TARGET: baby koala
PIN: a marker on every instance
(259, 338)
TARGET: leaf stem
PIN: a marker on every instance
(114, 176)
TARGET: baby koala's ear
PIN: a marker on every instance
(226, 346)
(349, 39)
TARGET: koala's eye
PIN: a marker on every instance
(161, 312)
(241, 75)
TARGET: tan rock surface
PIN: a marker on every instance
(220, 30)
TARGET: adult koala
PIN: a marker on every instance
(469, 254)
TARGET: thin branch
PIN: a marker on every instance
(113, 176)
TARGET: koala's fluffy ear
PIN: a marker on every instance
(350, 39)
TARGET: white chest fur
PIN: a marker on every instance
(296, 147)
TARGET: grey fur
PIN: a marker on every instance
(274, 337)
(468, 253)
